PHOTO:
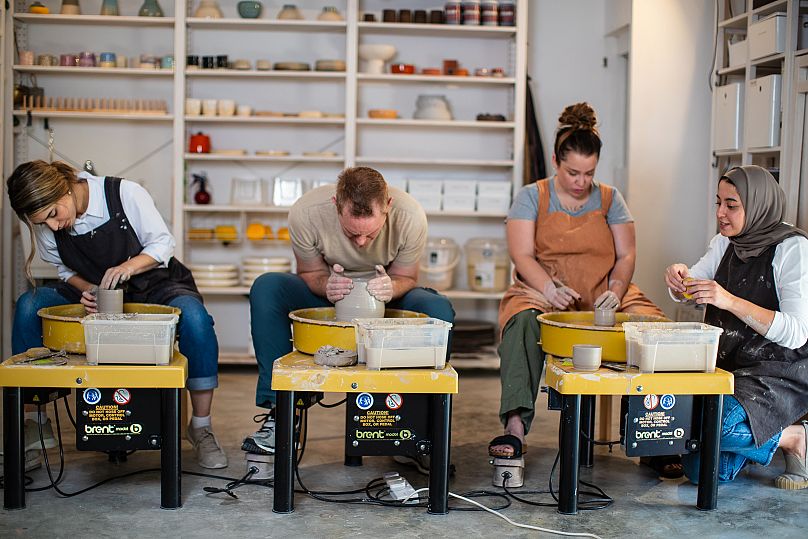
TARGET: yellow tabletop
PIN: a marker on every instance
(77, 373)
(298, 372)
(561, 376)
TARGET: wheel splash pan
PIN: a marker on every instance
(62, 329)
(561, 330)
(313, 328)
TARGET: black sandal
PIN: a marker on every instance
(507, 439)
(667, 466)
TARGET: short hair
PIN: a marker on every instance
(361, 190)
(577, 132)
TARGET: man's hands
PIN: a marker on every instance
(338, 285)
(381, 286)
(608, 301)
(560, 297)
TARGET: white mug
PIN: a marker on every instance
(586, 357)
(193, 106)
(209, 107)
(244, 110)
(227, 107)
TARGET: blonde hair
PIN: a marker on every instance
(34, 186)
(577, 132)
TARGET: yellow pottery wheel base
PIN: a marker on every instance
(561, 330)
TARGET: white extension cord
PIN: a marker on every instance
(506, 519)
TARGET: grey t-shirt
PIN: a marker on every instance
(526, 205)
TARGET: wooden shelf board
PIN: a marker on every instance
(96, 115)
(437, 30)
(736, 22)
(440, 79)
(771, 60)
(739, 70)
(771, 7)
(262, 24)
(91, 71)
(262, 158)
(436, 123)
(254, 73)
(773, 149)
(435, 162)
(224, 208)
(95, 20)
(265, 120)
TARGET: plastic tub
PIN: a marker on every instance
(671, 346)
(438, 262)
(487, 264)
(415, 342)
(146, 339)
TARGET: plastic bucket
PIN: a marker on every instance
(487, 264)
(438, 262)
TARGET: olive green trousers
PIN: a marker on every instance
(521, 363)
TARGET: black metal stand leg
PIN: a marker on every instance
(13, 449)
(708, 452)
(350, 460)
(568, 447)
(284, 499)
(441, 406)
(170, 456)
(587, 450)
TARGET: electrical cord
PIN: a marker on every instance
(338, 403)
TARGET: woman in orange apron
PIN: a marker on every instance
(572, 244)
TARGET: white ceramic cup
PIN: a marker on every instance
(586, 357)
(193, 106)
(209, 107)
(227, 107)
(244, 110)
(604, 317)
(109, 301)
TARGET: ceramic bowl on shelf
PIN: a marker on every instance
(217, 283)
(272, 153)
(383, 114)
(212, 267)
(329, 65)
(289, 12)
(263, 65)
(375, 55)
(249, 9)
(402, 69)
(291, 66)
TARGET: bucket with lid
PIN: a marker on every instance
(438, 262)
(487, 264)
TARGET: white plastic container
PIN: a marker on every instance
(385, 343)
(487, 264)
(459, 203)
(671, 346)
(727, 103)
(493, 204)
(767, 36)
(737, 53)
(438, 263)
(494, 189)
(431, 188)
(143, 339)
(460, 187)
(763, 105)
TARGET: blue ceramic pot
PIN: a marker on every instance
(248, 9)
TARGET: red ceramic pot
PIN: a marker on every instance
(200, 143)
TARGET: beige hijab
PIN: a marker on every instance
(763, 202)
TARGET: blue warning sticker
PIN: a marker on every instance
(91, 395)
(667, 402)
(364, 401)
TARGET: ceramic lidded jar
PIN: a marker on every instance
(208, 9)
(359, 303)
(150, 8)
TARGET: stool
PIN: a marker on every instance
(168, 379)
(297, 372)
(572, 392)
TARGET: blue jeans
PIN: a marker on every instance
(197, 339)
(274, 295)
(737, 446)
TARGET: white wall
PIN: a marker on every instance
(669, 128)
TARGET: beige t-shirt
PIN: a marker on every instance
(315, 232)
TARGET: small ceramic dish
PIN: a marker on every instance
(265, 260)
(310, 114)
(272, 153)
(316, 154)
(217, 282)
(329, 65)
(461, 72)
(292, 66)
(212, 267)
(211, 275)
(241, 64)
(229, 152)
(386, 114)
(263, 65)
(402, 69)
(431, 71)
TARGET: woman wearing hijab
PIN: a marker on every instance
(572, 243)
(99, 232)
(754, 281)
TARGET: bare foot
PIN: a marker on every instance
(513, 426)
(792, 442)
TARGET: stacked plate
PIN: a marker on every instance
(214, 275)
(256, 266)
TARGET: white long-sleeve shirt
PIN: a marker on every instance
(790, 264)
(140, 210)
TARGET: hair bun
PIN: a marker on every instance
(578, 116)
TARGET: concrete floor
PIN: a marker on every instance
(644, 506)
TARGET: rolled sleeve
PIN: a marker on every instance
(790, 325)
(303, 236)
(148, 224)
(526, 204)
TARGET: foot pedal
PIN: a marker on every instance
(264, 463)
(510, 470)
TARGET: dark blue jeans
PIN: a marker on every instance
(196, 336)
(737, 446)
(274, 295)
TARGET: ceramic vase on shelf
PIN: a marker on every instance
(70, 7)
(109, 8)
(208, 9)
(150, 8)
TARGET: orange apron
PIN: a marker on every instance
(576, 251)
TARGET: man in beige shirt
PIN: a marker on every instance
(358, 227)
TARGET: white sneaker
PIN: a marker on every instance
(262, 441)
(209, 453)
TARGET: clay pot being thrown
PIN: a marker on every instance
(359, 303)
(375, 55)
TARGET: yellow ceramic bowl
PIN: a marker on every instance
(313, 328)
(61, 325)
(559, 331)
